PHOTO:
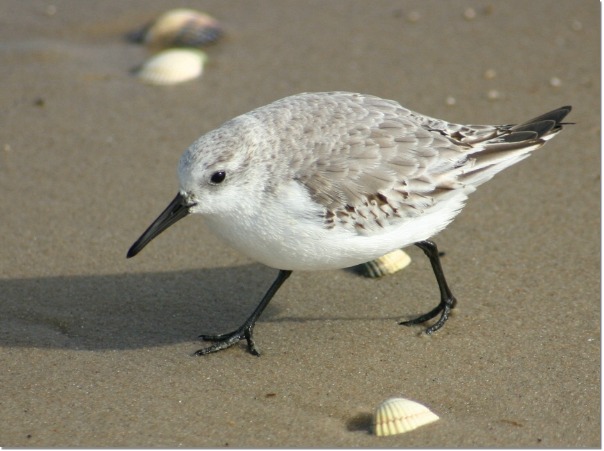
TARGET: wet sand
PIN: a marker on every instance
(96, 350)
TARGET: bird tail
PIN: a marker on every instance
(509, 144)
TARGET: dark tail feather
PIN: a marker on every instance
(513, 143)
(544, 123)
(538, 129)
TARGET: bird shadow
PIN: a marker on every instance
(130, 311)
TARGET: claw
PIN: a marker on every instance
(444, 308)
(224, 341)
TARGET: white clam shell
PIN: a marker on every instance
(400, 415)
(387, 264)
(180, 27)
(173, 66)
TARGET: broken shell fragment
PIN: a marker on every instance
(387, 264)
(400, 415)
(179, 28)
(173, 66)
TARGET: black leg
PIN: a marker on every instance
(246, 330)
(447, 300)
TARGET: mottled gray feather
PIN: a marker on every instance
(370, 162)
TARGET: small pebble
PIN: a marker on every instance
(493, 94)
(489, 74)
(469, 14)
(555, 82)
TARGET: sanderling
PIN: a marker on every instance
(331, 180)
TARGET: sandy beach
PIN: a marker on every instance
(96, 350)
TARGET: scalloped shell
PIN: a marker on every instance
(173, 66)
(180, 27)
(387, 264)
(400, 415)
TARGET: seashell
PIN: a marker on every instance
(179, 28)
(173, 66)
(400, 415)
(387, 264)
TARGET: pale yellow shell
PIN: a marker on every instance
(173, 66)
(387, 264)
(400, 415)
(180, 27)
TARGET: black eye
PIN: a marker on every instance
(218, 177)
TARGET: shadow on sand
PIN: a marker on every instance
(130, 311)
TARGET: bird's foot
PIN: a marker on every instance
(444, 308)
(224, 341)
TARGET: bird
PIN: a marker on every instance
(327, 180)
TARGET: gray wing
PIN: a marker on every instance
(374, 163)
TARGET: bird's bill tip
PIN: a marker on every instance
(177, 210)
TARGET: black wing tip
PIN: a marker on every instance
(556, 115)
(563, 111)
(566, 109)
(546, 123)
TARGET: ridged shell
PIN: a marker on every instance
(400, 415)
(179, 28)
(173, 66)
(387, 264)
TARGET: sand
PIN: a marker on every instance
(96, 350)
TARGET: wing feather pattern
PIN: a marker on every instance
(395, 164)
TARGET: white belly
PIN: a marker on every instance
(290, 234)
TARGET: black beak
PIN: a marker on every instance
(177, 210)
